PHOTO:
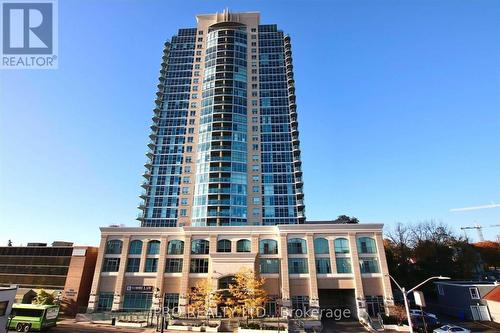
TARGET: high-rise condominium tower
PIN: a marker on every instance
(224, 144)
(225, 151)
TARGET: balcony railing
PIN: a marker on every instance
(219, 190)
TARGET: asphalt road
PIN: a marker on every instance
(68, 326)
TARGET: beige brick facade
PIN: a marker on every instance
(285, 284)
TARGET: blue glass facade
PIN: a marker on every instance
(221, 167)
(164, 167)
(281, 165)
(224, 146)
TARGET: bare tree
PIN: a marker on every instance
(399, 235)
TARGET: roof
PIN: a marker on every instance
(493, 295)
(467, 283)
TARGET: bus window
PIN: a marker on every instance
(27, 312)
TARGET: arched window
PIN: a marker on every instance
(135, 247)
(225, 281)
(366, 245)
(175, 247)
(199, 246)
(268, 246)
(321, 246)
(243, 245)
(154, 247)
(341, 245)
(224, 245)
(297, 246)
(114, 246)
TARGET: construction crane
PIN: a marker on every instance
(479, 229)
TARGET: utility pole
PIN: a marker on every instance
(406, 293)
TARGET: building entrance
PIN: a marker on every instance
(333, 302)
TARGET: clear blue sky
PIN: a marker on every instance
(399, 112)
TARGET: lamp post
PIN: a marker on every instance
(406, 293)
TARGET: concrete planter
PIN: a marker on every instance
(184, 328)
(193, 328)
(248, 330)
(404, 328)
(131, 324)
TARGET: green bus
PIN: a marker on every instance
(31, 317)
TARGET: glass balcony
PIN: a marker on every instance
(219, 213)
(220, 158)
(219, 202)
(221, 138)
(219, 190)
(220, 180)
(220, 168)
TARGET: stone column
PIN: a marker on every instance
(213, 278)
(120, 279)
(186, 263)
(286, 303)
(144, 250)
(255, 244)
(313, 281)
(255, 250)
(160, 275)
(94, 291)
(333, 258)
(358, 281)
(384, 270)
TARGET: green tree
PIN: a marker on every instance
(346, 219)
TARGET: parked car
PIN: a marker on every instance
(451, 328)
(418, 312)
(419, 326)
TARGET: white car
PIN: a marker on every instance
(416, 312)
(451, 328)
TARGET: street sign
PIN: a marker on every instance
(419, 298)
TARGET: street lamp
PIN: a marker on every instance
(406, 293)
